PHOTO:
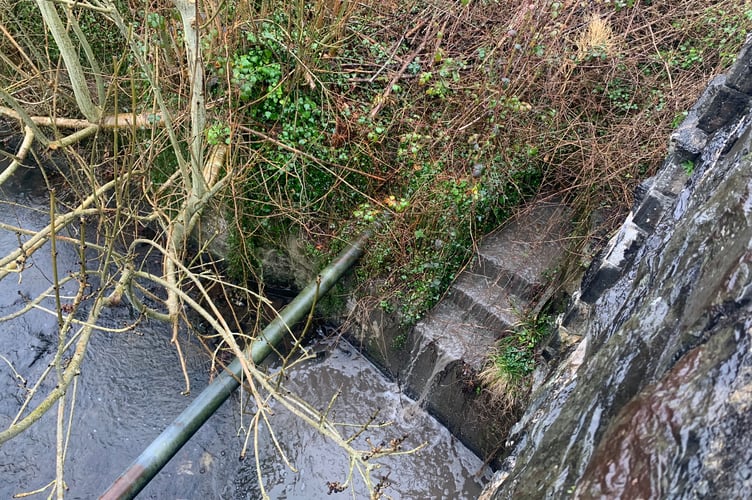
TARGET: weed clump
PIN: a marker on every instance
(507, 373)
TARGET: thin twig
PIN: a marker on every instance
(387, 92)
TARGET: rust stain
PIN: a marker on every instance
(629, 461)
(123, 486)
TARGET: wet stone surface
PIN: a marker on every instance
(655, 403)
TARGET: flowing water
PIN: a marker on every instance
(129, 390)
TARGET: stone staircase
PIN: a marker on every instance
(505, 282)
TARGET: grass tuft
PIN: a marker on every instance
(507, 374)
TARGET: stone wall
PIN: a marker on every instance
(713, 119)
(655, 400)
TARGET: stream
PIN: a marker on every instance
(129, 391)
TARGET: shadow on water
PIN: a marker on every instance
(129, 390)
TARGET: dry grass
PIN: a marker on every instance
(596, 39)
(581, 98)
(506, 392)
(584, 98)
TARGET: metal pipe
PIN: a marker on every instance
(167, 444)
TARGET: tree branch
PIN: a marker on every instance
(70, 57)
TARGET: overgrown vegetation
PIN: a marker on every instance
(448, 115)
(507, 375)
(437, 119)
(455, 113)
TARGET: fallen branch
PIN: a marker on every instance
(19, 158)
(75, 137)
(141, 120)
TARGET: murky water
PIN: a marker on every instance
(129, 390)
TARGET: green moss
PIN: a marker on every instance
(399, 342)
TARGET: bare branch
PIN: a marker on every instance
(72, 63)
(20, 155)
(141, 120)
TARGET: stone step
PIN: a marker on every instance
(438, 360)
(446, 351)
(485, 303)
(449, 343)
(520, 253)
(457, 331)
(487, 266)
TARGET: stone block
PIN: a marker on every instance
(622, 246)
(687, 140)
(722, 106)
(651, 211)
(641, 191)
(602, 280)
(740, 75)
(672, 178)
(619, 253)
